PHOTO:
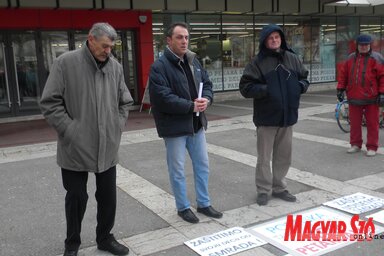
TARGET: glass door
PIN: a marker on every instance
(19, 83)
(54, 43)
(5, 100)
(25, 63)
(130, 66)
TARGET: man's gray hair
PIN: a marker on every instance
(101, 29)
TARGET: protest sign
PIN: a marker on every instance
(378, 216)
(274, 232)
(356, 203)
(226, 242)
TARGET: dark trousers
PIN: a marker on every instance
(75, 183)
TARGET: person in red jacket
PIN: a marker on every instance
(362, 78)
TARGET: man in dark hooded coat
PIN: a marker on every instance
(275, 79)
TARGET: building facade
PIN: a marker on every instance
(224, 34)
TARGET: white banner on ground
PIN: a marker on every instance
(226, 242)
(356, 203)
(378, 216)
(274, 232)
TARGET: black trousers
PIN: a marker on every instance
(75, 183)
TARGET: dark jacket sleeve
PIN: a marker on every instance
(303, 77)
(380, 71)
(252, 84)
(162, 96)
(207, 86)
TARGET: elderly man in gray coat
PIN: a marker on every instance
(86, 101)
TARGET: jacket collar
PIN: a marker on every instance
(91, 60)
(172, 57)
(364, 54)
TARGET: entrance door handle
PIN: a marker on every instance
(16, 76)
(6, 75)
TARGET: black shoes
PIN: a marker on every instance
(112, 246)
(70, 252)
(262, 198)
(210, 212)
(188, 216)
(285, 195)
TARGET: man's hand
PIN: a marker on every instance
(340, 95)
(201, 104)
(381, 100)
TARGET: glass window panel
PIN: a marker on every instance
(131, 63)
(54, 44)
(4, 81)
(324, 51)
(24, 51)
(159, 42)
(297, 32)
(346, 33)
(80, 39)
(237, 46)
(347, 30)
(206, 41)
(372, 26)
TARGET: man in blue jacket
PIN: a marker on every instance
(178, 110)
(275, 78)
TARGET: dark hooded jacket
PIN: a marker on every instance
(275, 81)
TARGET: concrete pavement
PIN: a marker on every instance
(32, 198)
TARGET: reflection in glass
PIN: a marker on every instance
(131, 65)
(347, 31)
(324, 52)
(4, 84)
(118, 50)
(297, 32)
(80, 39)
(205, 41)
(54, 44)
(24, 56)
(237, 45)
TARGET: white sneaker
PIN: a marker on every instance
(353, 149)
(371, 153)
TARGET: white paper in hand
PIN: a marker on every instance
(199, 95)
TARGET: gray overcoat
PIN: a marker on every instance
(88, 107)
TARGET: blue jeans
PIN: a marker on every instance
(176, 151)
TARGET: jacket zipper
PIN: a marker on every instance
(190, 98)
